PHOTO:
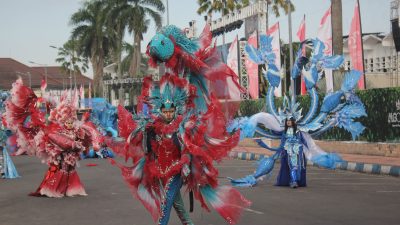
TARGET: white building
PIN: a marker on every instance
(381, 62)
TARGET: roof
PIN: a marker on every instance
(11, 69)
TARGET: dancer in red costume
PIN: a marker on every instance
(171, 145)
(58, 142)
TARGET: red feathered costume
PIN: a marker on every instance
(167, 155)
(58, 142)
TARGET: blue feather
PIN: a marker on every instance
(350, 80)
(331, 101)
(273, 75)
(332, 62)
(254, 55)
(328, 160)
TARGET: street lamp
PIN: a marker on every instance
(45, 68)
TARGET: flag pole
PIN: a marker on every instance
(362, 48)
(291, 50)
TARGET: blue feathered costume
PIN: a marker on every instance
(338, 109)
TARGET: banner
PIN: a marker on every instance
(355, 45)
(325, 35)
(232, 59)
(252, 69)
(276, 48)
(301, 34)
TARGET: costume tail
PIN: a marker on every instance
(227, 201)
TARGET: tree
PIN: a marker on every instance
(92, 38)
(138, 14)
(71, 62)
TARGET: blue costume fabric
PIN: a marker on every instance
(7, 167)
(338, 109)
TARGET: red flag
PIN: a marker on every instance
(325, 35)
(43, 85)
(301, 34)
(252, 69)
(355, 45)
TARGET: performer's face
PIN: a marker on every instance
(69, 124)
(289, 123)
(168, 114)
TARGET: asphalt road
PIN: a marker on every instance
(332, 197)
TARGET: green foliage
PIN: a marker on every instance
(379, 103)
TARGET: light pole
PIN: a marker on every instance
(167, 12)
(291, 49)
(45, 68)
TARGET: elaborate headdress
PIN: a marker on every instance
(171, 91)
(65, 109)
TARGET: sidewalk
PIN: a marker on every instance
(353, 162)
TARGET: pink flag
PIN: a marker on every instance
(301, 34)
(233, 63)
(232, 59)
(276, 48)
(43, 85)
(325, 35)
(252, 69)
(355, 45)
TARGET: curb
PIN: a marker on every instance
(345, 165)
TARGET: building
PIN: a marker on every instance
(57, 79)
(381, 63)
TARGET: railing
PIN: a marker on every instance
(240, 14)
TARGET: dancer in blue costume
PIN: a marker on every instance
(7, 167)
(104, 116)
(339, 109)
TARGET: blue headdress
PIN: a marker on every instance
(171, 92)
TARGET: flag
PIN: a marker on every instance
(43, 85)
(233, 63)
(355, 45)
(325, 35)
(252, 69)
(232, 59)
(82, 96)
(90, 95)
(276, 48)
(301, 34)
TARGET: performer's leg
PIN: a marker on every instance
(180, 210)
(171, 189)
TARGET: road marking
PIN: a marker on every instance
(388, 191)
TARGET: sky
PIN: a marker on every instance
(30, 27)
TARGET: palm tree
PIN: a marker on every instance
(226, 6)
(337, 39)
(337, 27)
(137, 14)
(93, 41)
(71, 62)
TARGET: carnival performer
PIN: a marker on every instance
(7, 167)
(171, 145)
(58, 142)
(339, 109)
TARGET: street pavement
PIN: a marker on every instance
(332, 197)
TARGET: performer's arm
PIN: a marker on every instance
(264, 145)
(64, 142)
